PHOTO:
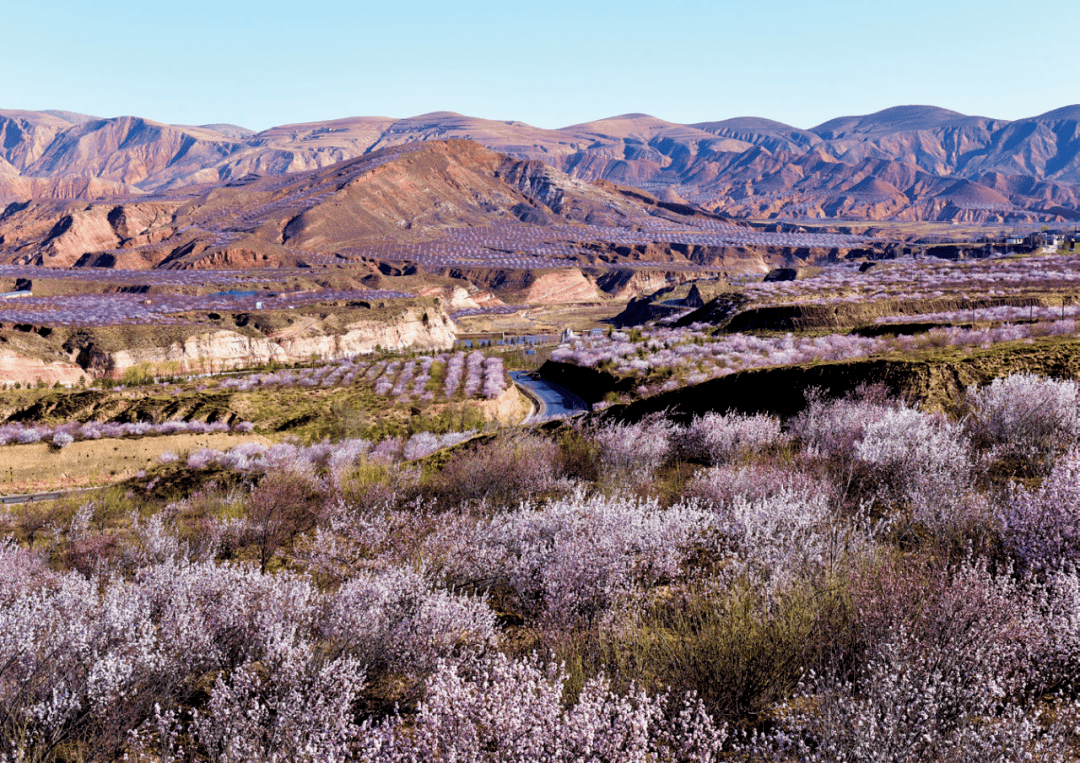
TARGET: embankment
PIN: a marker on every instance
(589, 383)
(936, 383)
(845, 315)
(40, 467)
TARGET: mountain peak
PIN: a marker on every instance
(893, 119)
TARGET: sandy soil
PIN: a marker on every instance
(511, 407)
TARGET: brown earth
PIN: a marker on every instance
(511, 407)
(400, 196)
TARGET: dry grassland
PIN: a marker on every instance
(39, 467)
(545, 319)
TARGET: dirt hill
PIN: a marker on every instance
(434, 205)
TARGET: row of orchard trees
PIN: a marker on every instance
(402, 379)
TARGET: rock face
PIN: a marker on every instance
(623, 284)
(569, 285)
(415, 329)
(16, 368)
(420, 328)
(788, 274)
(899, 163)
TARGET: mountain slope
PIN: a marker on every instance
(742, 167)
(452, 201)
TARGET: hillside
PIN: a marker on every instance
(435, 205)
(744, 167)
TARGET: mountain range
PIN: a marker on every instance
(440, 205)
(903, 163)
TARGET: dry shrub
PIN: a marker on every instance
(283, 506)
(32, 519)
(372, 485)
(507, 469)
(740, 650)
(92, 555)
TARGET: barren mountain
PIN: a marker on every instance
(741, 167)
(439, 204)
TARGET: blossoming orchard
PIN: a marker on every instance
(372, 556)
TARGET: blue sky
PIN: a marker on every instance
(550, 64)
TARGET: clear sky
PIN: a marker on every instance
(550, 63)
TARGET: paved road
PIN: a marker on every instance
(555, 401)
(36, 497)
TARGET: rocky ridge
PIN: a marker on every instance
(66, 355)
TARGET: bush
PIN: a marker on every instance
(721, 486)
(512, 712)
(62, 439)
(294, 704)
(1042, 526)
(568, 562)
(395, 621)
(714, 438)
(925, 460)
(944, 662)
(1026, 418)
(631, 453)
(831, 428)
(509, 468)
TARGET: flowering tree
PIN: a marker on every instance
(512, 711)
(1025, 417)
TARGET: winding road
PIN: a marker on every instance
(555, 402)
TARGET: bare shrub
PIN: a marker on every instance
(93, 555)
(508, 468)
(283, 506)
(32, 518)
